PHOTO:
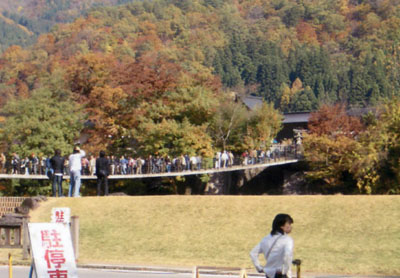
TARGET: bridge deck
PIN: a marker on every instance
(159, 175)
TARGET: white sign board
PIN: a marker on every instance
(61, 215)
(52, 251)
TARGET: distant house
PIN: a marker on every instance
(291, 121)
(252, 102)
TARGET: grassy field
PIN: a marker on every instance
(333, 234)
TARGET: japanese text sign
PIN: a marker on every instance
(52, 250)
(61, 215)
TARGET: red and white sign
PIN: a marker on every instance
(52, 250)
(61, 215)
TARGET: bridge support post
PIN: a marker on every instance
(75, 235)
(227, 183)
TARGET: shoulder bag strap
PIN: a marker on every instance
(272, 246)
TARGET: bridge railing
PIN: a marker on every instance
(277, 152)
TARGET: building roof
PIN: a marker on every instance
(251, 101)
(299, 117)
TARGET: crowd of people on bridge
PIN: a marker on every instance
(77, 164)
(129, 165)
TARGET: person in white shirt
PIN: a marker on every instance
(75, 167)
(224, 158)
(193, 162)
(277, 248)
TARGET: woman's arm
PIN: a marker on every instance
(254, 257)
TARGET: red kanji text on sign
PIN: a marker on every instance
(54, 258)
(58, 273)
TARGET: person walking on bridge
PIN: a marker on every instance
(277, 248)
(224, 158)
(102, 172)
(15, 163)
(75, 167)
(57, 164)
(3, 161)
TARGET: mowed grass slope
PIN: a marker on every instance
(333, 234)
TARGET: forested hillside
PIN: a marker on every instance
(155, 73)
(299, 54)
(21, 21)
(296, 54)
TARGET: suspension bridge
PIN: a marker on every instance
(268, 163)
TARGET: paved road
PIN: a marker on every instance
(23, 272)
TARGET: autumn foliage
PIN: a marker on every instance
(334, 122)
(156, 76)
(143, 84)
(355, 154)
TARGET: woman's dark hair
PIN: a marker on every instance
(57, 152)
(279, 221)
(102, 153)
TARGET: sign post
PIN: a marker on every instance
(52, 251)
(75, 235)
(10, 272)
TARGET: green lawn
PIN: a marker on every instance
(333, 234)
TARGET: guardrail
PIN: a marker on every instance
(233, 270)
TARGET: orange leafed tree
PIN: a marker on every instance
(334, 121)
(329, 145)
(147, 77)
(88, 71)
(105, 108)
(112, 92)
(306, 33)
